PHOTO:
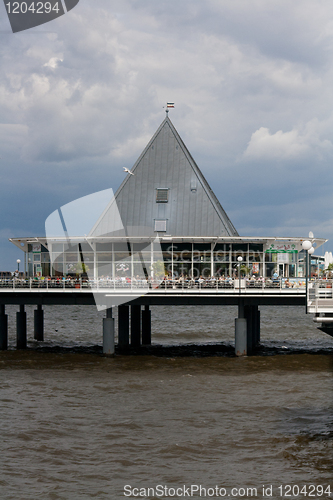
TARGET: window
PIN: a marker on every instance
(160, 225)
(162, 195)
(193, 186)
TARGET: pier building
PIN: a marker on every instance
(164, 222)
(165, 195)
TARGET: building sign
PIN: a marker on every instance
(39, 272)
(36, 247)
(282, 248)
(283, 258)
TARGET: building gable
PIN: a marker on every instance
(167, 193)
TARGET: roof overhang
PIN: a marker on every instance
(22, 243)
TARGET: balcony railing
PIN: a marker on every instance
(234, 285)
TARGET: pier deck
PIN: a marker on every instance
(31, 292)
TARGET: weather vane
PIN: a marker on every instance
(168, 106)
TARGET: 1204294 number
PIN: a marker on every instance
(33, 8)
(310, 490)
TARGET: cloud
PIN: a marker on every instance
(252, 86)
(53, 62)
(287, 145)
(281, 145)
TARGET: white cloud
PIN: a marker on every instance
(281, 145)
(287, 145)
(53, 62)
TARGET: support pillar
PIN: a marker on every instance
(39, 324)
(3, 329)
(146, 326)
(241, 331)
(249, 314)
(123, 327)
(135, 326)
(258, 328)
(21, 328)
(240, 337)
(108, 333)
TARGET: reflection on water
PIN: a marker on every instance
(76, 425)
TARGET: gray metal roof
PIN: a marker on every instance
(192, 208)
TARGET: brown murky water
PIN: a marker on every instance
(75, 425)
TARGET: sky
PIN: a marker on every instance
(252, 83)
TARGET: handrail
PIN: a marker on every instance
(166, 284)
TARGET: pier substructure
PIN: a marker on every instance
(21, 328)
(108, 333)
(123, 327)
(253, 327)
(146, 326)
(241, 331)
(3, 328)
(39, 324)
(247, 329)
(135, 326)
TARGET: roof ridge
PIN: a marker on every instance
(210, 193)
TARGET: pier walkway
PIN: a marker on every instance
(170, 292)
(134, 298)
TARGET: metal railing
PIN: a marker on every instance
(321, 289)
(166, 284)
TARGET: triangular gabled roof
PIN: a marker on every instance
(192, 208)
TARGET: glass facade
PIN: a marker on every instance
(175, 259)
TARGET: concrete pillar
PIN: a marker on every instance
(21, 328)
(3, 329)
(241, 330)
(257, 333)
(123, 327)
(252, 314)
(108, 333)
(135, 326)
(39, 324)
(246, 341)
(240, 337)
(146, 326)
(255, 321)
(249, 314)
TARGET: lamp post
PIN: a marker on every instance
(240, 260)
(308, 248)
(18, 264)
(310, 252)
